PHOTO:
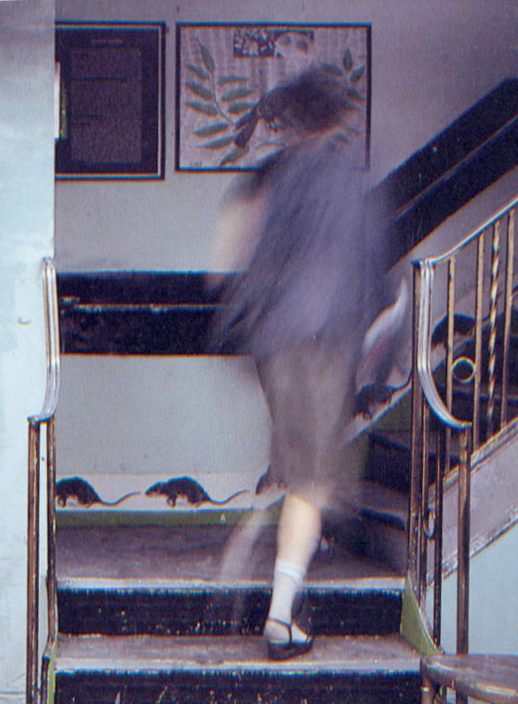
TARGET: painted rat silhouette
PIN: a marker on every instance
(267, 480)
(370, 396)
(83, 493)
(187, 488)
(463, 325)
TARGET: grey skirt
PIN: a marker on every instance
(310, 393)
(313, 285)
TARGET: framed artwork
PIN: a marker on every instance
(111, 101)
(223, 70)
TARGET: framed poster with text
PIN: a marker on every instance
(111, 101)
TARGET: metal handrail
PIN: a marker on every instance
(52, 340)
(425, 517)
(486, 678)
(475, 234)
(44, 418)
(424, 367)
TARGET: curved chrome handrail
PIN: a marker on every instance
(427, 267)
(44, 418)
(52, 337)
(424, 367)
(476, 233)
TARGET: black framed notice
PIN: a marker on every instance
(111, 100)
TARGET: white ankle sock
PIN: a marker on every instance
(287, 580)
(296, 572)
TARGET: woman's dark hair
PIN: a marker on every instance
(316, 100)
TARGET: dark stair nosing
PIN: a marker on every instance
(455, 189)
(466, 133)
(240, 688)
(388, 462)
(386, 517)
(205, 611)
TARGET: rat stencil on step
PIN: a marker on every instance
(188, 489)
(80, 491)
(268, 480)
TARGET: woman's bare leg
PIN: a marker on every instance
(298, 537)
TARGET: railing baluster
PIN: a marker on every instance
(33, 572)
(463, 548)
(495, 267)
(438, 538)
(425, 454)
(51, 527)
(479, 305)
(449, 354)
(52, 597)
(508, 310)
(414, 514)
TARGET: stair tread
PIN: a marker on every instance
(313, 583)
(384, 500)
(398, 439)
(148, 654)
(178, 555)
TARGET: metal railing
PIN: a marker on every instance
(44, 421)
(476, 291)
(486, 678)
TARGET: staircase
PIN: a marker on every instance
(144, 614)
(143, 618)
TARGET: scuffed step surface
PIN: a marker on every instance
(234, 670)
(389, 505)
(190, 553)
(168, 581)
(153, 654)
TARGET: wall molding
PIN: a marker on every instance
(170, 313)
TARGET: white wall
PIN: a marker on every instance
(431, 61)
(26, 235)
(151, 419)
(493, 611)
(493, 626)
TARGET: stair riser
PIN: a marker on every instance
(238, 688)
(205, 612)
(385, 542)
(388, 465)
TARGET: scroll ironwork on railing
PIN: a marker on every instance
(44, 420)
(460, 396)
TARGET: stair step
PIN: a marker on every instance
(338, 607)
(363, 670)
(384, 519)
(159, 615)
(389, 505)
(379, 530)
(190, 554)
(388, 459)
